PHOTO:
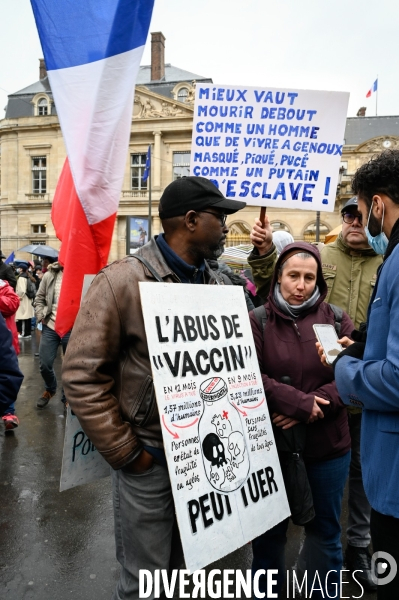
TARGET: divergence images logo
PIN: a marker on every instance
(383, 568)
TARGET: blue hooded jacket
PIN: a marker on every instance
(10, 376)
(373, 383)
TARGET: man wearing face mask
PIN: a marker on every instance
(350, 270)
(367, 372)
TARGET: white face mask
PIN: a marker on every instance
(378, 243)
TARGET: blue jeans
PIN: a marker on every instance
(10, 410)
(322, 550)
(49, 342)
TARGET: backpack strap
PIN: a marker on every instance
(338, 313)
(261, 316)
(149, 267)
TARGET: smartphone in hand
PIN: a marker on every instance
(327, 336)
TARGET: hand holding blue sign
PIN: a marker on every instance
(262, 235)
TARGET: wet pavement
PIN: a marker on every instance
(57, 546)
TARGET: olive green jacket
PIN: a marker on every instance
(350, 276)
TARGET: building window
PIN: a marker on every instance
(181, 164)
(344, 167)
(137, 166)
(182, 94)
(280, 226)
(38, 228)
(42, 107)
(239, 234)
(309, 234)
(39, 174)
(37, 243)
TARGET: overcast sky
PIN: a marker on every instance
(336, 45)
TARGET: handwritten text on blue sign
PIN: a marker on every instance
(270, 147)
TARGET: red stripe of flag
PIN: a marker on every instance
(84, 249)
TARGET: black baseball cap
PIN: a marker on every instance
(351, 202)
(194, 193)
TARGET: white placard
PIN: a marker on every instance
(81, 462)
(222, 460)
(270, 146)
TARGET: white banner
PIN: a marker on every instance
(270, 146)
(81, 462)
(222, 460)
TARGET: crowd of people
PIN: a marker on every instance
(346, 416)
(29, 293)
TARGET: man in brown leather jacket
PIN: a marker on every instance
(108, 381)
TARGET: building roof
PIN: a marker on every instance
(172, 74)
(360, 129)
(43, 85)
(20, 105)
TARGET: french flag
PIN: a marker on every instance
(372, 89)
(92, 50)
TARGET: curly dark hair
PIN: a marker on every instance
(378, 176)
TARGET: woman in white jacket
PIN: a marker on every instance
(25, 311)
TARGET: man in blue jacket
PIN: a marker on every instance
(10, 376)
(367, 372)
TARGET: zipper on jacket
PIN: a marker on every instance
(297, 330)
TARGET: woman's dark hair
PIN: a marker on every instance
(380, 175)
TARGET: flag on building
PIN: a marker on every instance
(372, 89)
(92, 51)
(147, 165)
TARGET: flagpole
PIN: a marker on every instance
(376, 98)
(149, 199)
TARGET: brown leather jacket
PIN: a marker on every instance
(106, 371)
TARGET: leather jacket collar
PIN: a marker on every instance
(152, 253)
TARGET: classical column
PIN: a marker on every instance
(156, 160)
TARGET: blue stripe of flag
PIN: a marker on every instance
(375, 85)
(77, 32)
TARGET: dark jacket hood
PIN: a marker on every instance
(301, 247)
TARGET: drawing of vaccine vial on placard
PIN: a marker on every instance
(224, 450)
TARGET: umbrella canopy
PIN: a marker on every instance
(40, 250)
(236, 257)
(332, 235)
(17, 263)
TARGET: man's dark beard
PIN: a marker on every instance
(216, 252)
(208, 252)
(374, 226)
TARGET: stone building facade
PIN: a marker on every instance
(32, 154)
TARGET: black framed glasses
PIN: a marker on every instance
(350, 218)
(222, 218)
